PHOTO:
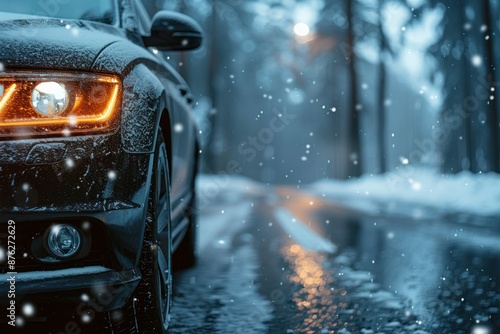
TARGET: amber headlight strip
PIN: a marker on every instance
(38, 104)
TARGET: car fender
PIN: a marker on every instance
(143, 101)
(144, 95)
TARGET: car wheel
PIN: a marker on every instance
(149, 309)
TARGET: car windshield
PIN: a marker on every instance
(91, 10)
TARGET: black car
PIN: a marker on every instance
(98, 158)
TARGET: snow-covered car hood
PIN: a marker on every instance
(53, 43)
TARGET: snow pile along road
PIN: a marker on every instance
(416, 191)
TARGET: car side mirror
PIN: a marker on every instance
(173, 31)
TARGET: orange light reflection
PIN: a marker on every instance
(317, 300)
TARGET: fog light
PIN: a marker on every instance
(49, 98)
(63, 240)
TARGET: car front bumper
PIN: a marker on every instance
(82, 290)
(88, 180)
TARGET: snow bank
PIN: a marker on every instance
(416, 191)
(227, 188)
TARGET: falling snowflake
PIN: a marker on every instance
(481, 330)
(112, 175)
(416, 186)
(26, 187)
(72, 120)
(28, 310)
(296, 96)
(178, 128)
(117, 316)
(19, 322)
(476, 60)
(404, 160)
(70, 163)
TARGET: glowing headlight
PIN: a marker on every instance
(49, 98)
(63, 240)
(58, 103)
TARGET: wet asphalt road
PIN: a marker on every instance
(282, 261)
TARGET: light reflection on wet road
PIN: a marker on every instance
(381, 274)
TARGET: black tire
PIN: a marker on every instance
(148, 311)
(185, 255)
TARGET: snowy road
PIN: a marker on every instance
(274, 260)
(282, 260)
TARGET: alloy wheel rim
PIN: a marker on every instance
(162, 214)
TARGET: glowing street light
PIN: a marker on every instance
(301, 29)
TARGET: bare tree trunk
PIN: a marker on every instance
(493, 105)
(381, 95)
(354, 142)
(456, 152)
(210, 158)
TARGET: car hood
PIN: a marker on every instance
(53, 43)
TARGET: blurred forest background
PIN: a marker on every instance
(293, 91)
